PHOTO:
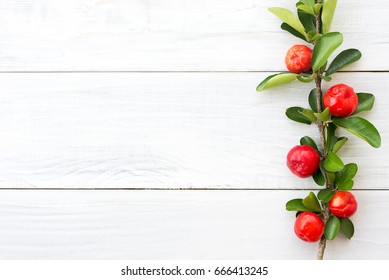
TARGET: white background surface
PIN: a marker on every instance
(109, 108)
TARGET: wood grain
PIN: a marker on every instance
(175, 225)
(150, 35)
(166, 130)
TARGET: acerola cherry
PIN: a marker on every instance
(308, 227)
(341, 100)
(303, 160)
(298, 59)
(343, 204)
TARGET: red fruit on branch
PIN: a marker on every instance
(309, 227)
(343, 204)
(303, 160)
(298, 59)
(341, 100)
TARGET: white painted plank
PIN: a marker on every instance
(175, 225)
(166, 130)
(68, 35)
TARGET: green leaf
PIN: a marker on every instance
(323, 116)
(327, 78)
(305, 79)
(331, 137)
(361, 128)
(325, 195)
(347, 227)
(365, 102)
(312, 100)
(309, 3)
(306, 140)
(312, 203)
(309, 114)
(318, 177)
(324, 47)
(344, 177)
(333, 163)
(332, 228)
(339, 144)
(289, 17)
(317, 8)
(306, 9)
(296, 205)
(294, 114)
(276, 80)
(343, 59)
(308, 21)
(291, 30)
(327, 15)
(331, 177)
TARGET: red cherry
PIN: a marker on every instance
(309, 227)
(343, 204)
(303, 161)
(298, 59)
(341, 100)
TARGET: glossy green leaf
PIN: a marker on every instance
(308, 3)
(323, 116)
(313, 101)
(308, 21)
(312, 203)
(306, 9)
(294, 114)
(339, 144)
(324, 47)
(327, 15)
(332, 228)
(317, 7)
(365, 102)
(344, 178)
(309, 114)
(343, 59)
(325, 195)
(318, 177)
(306, 140)
(333, 163)
(346, 186)
(305, 79)
(291, 30)
(276, 80)
(289, 17)
(347, 227)
(361, 128)
(331, 137)
(327, 78)
(296, 205)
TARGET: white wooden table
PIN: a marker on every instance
(131, 129)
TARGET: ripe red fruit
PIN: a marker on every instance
(309, 227)
(343, 204)
(298, 59)
(303, 160)
(341, 100)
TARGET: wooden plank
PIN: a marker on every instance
(166, 130)
(148, 35)
(175, 225)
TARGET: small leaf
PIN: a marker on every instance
(327, 78)
(313, 101)
(347, 227)
(327, 15)
(276, 80)
(291, 30)
(333, 163)
(344, 177)
(339, 144)
(324, 47)
(365, 102)
(289, 17)
(323, 116)
(309, 114)
(317, 8)
(305, 79)
(332, 228)
(308, 21)
(306, 9)
(331, 177)
(346, 186)
(294, 114)
(318, 177)
(309, 3)
(312, 203)
(343, 59)
(306, 140)
(296, 205)
(361, 128)
(331, 137)
(325, 195)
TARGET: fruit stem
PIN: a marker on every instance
(322, 130)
